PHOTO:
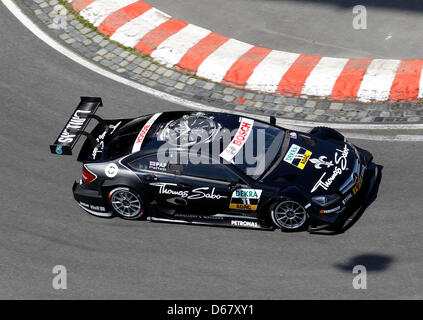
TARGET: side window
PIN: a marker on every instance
(210, 171)
(149, 163)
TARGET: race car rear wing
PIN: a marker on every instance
(76, 125)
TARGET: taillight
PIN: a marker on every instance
(87, 176)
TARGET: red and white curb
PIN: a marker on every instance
(288, 123)
(199, 51)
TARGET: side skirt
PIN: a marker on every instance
(221, 220)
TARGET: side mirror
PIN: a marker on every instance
(233, 186)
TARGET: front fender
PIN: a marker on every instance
(291, 192)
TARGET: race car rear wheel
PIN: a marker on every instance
(126, 203)
(288, 214)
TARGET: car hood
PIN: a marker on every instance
(316, 166)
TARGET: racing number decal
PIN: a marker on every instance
(297, 156)
(245, 199)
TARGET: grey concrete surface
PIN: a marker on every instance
(317, 27)
(41, 226)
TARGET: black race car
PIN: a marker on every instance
(216, 169)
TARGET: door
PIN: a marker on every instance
(159, 177)
(208, 187)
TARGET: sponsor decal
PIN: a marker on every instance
(347, 198)
(293, 135)
(243, 206)
(92, 207)
(111, 170)
(140, 138)
(155, 165)
(247, 193)
(114, 127)
(198, 217)
(246, 224)
(199, 193)
(100, 144)
(100, 139)
(190, 129)
(358, 185)
(97, 208)
(75, 123)
(245, 199)
(194, 194)
(321, 161)
(341, 165)
(338, 209)
(59, 150)
(98, 149)
(297, 156)
(241, 136)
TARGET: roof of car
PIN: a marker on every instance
(164, 130)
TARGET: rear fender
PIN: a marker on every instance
(108, 185)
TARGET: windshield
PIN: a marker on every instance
(260, 150)
(254, 147)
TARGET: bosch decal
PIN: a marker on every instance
(239, 139)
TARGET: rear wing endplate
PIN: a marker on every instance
(76, 125)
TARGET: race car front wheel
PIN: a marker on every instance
(288, 214)
(126, 203)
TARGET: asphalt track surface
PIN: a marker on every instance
(41, 225)
(316, 27)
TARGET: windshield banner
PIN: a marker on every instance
(140, 138)
(241, 136)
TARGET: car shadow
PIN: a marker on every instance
(371, 261)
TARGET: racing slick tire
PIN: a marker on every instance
(326, 133)
(288, 215)
(126, 203)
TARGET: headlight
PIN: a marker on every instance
(325, 201)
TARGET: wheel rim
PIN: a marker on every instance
(126, 203)
(289, 214)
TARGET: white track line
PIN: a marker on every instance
(18, 13)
